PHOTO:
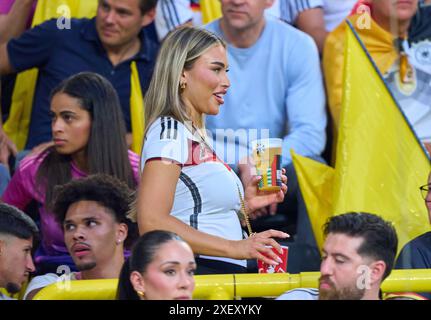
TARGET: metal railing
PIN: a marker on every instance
(231, 286)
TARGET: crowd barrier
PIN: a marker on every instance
(233, 286)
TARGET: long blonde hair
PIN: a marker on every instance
(179, 52)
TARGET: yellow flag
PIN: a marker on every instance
(17, 125)
(315, 180)
(380, 163)
(211, 10)
(136, 111)
(380, 44)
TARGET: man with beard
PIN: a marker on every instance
(17, 232)
(358, 254)
(92, 212)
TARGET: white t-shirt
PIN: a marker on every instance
(300, 294)
(206, 196)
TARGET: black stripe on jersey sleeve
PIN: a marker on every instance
(175, 129)
(196, 199)
(162, 123)
(170, 133)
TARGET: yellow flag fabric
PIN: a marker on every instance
(380, 162)
(379, 44)
(136, 111)
(211, 10)
(315, 180)
(17, 125)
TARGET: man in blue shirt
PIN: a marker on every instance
(276, 91)
(106, 44)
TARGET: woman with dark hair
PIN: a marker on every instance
(161, 267)
(89, 137)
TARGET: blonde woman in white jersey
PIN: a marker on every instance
(185, 188)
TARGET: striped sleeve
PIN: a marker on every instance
(290, 9)
(171, 14)
(166, 139)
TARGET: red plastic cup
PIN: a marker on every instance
(280, 268)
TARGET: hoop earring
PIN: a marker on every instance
(141, 294)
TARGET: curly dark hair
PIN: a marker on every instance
(380, 238)
(104, 189)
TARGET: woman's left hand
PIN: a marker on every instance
(255, 199)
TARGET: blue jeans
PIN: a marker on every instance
(4, 178)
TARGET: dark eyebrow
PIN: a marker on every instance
(336, 255)
(67, 112)
(340, 255)
(123, 11)
(170, 262)
(221, 64)
(67, 221)
(177, 263)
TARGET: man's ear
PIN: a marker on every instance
(148, 17)
(378, 269)
(122, 231)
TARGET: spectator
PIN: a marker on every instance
(284, 99)
(17, 232)
(184, 187)
(336, 11)
(417, 254)
(358, 254)
(15, 17)
(171, 15)
(161, 267)
(306, 15)
(92, 212)
(406, 67)
(108, 44)
(84, 111)
(315, 17)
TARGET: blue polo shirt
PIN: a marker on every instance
(60, 53)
